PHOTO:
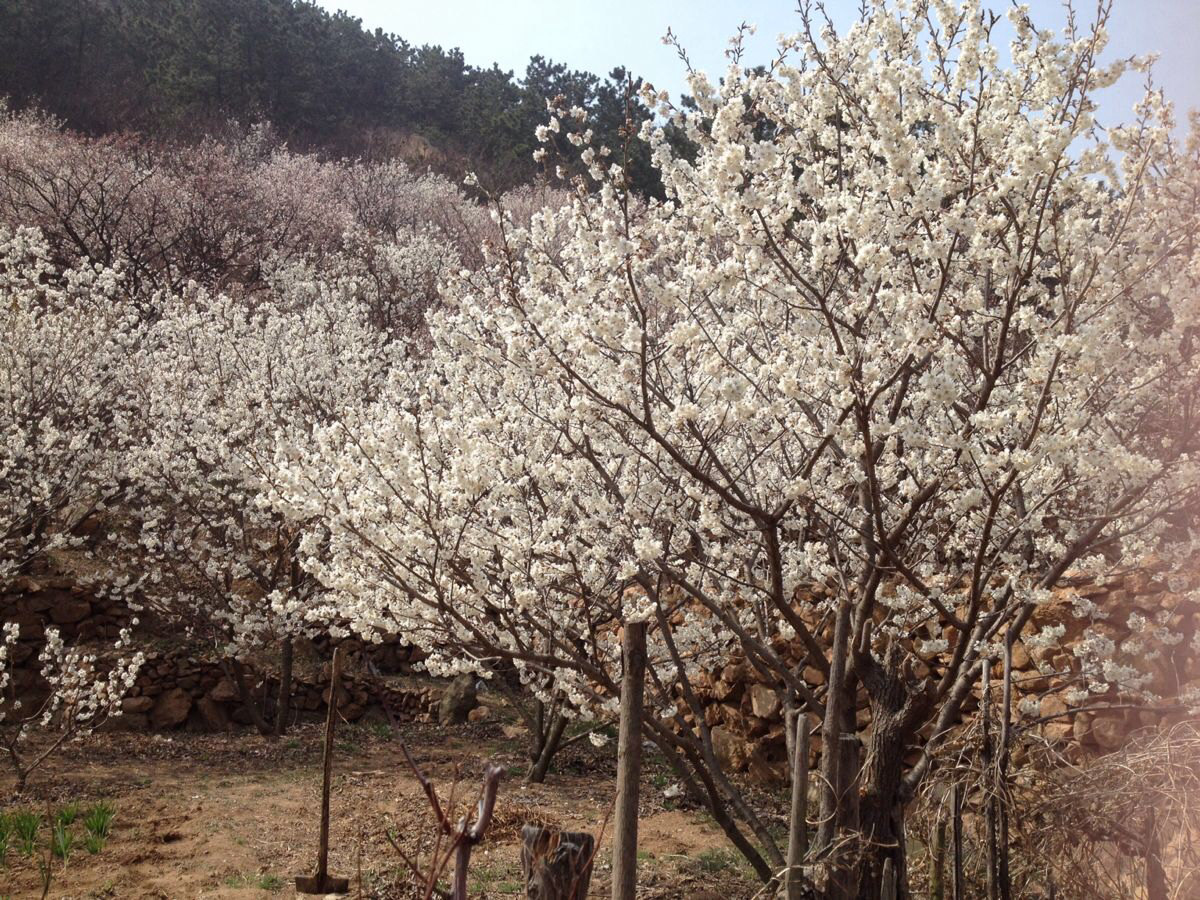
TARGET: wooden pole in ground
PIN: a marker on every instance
(1156, 875)
(887, 887)
(956, 805)
(798, 826)
(937, 860)
(988, 759)
(1001, 787)
(629, 764)
(335, 686)
(322, 882)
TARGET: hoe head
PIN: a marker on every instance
(321, 884)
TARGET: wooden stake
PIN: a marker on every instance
(322, 883)
(629, 764)
(989, 784)
(1000, 789)
(937, 861)
(956, 805)
(798, 826)
(887, 888)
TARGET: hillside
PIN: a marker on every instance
(182, 69)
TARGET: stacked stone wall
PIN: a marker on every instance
(175, 688)
(744, 708)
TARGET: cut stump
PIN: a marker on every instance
(557, 864)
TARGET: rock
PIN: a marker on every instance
(767, 771)
(32, 627)
(731, 751)
(756, 727)
(764, 701)
(213, 714)
(39, 602)
(1058, 731)
(343, 696)
(1082, 727)
(126, 722)
(735, 671)
(1052, 706)
(171, 709)
(352, 712)
(1109, 732)
(19, 653)
(479, 714)
(1044, 656)
(512, 732)
(458, 699)
(136, 705)
(724, 690)
(70, 609)
(1020, 656)
(224, 691)
(732, 717)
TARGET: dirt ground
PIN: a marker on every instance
(205, 816)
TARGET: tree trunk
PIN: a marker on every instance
(548, 743)
(539, 731)
(881, 814)
(831, 728)
(629, 764)
(880, 795)
(247, 697)
(284, 697)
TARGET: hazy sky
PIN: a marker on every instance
(598, 36)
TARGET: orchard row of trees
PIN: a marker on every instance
(907, 342)
(171, 315)
(182, 68)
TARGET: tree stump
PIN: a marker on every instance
(557, 864)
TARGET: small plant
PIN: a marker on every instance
(61, 841)
(713, 861)
(98, 820)
(6, 828)
(93, 844)
(26, 825)
(264, 881)
(68, 814)
(269, 882)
